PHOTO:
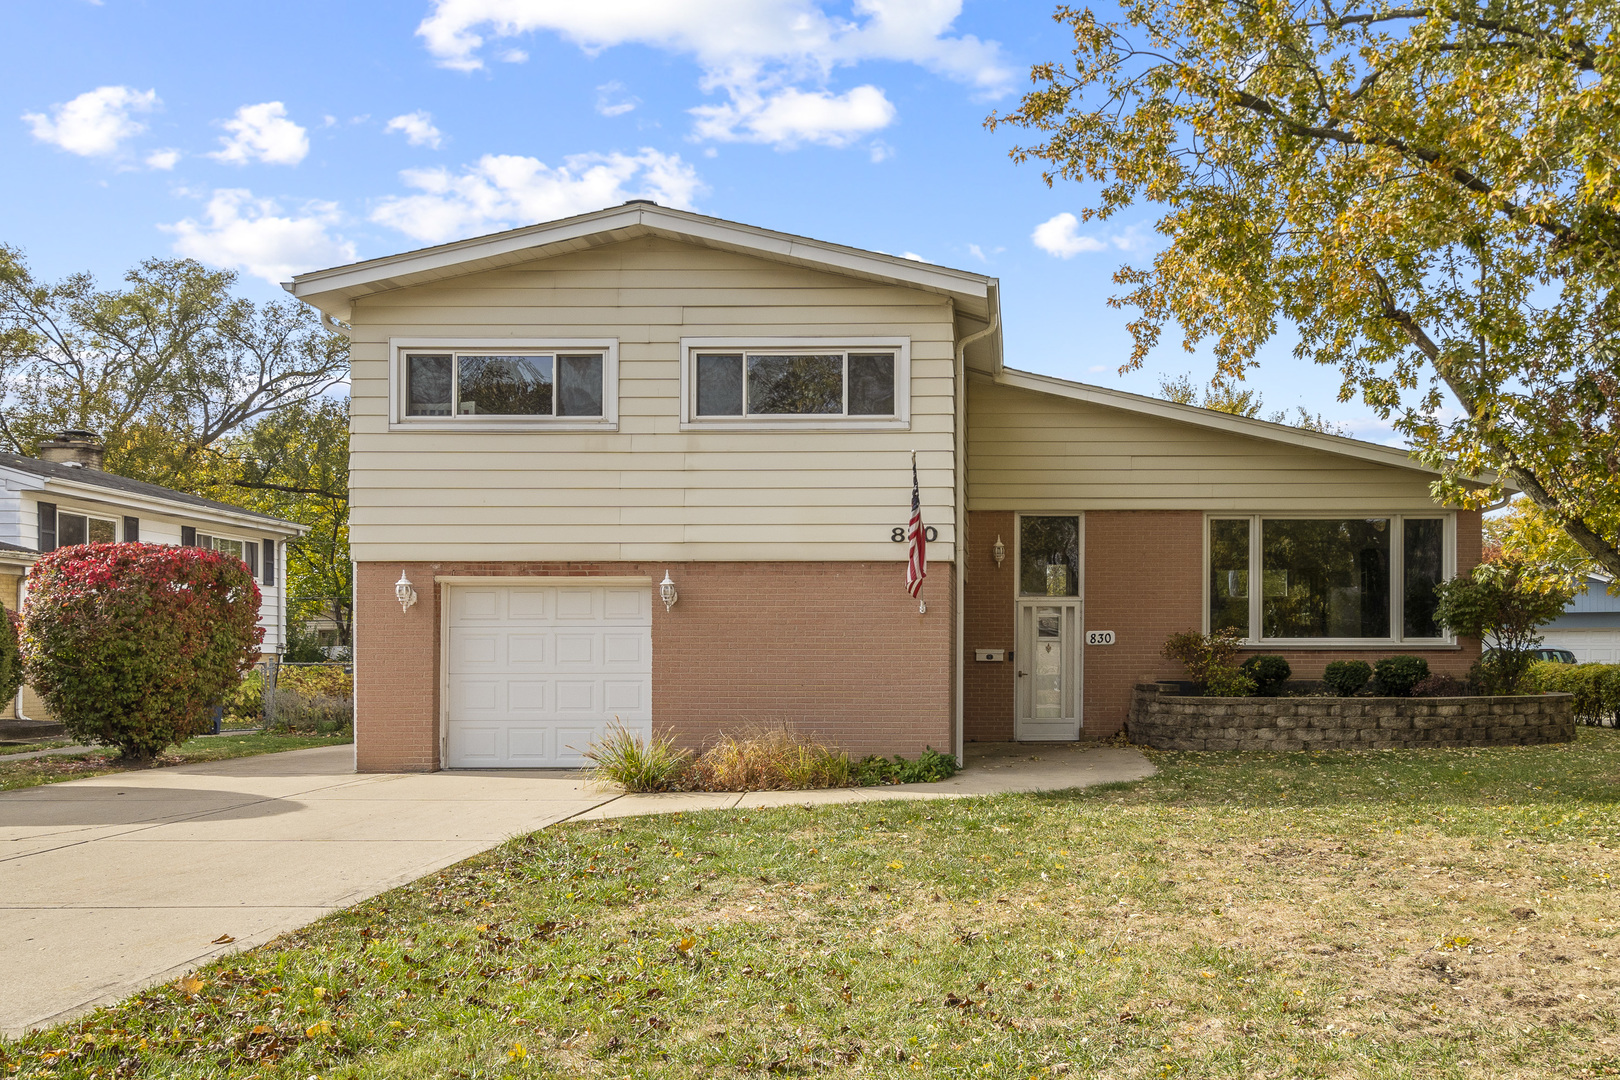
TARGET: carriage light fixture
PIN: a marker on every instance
(999, 552)
(666, 592)
(404, 592)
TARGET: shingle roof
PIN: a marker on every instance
(5, 547)
(79, 475)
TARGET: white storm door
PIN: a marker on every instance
(1046, 656)
(536, 673)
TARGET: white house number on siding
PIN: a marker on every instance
(929, 533)
(1099, 637)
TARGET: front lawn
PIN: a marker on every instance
(58, 767)
(1374, 914)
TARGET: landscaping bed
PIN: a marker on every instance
(1433, 914)
(1163, 718)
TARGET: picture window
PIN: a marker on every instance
(504, 385)
(818, 383)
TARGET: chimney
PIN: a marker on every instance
(74, 447)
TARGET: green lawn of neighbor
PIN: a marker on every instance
(1401, 914)
(58, 767)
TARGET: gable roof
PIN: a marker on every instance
(96, 478)
(1230, 423)
(333, 291)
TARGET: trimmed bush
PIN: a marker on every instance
(1596, 688)
(1268, 672)
(11, 668)
(133, 645)
(1209, 659)
(1396, 675)
(1347, 678)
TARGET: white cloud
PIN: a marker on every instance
(913, 256)
(1060, 236)
(505, 190)
(163, 160)
(96, 123)
(881, 151)
(262, 133)
(417, 127)
(613, 100)
(977, 252)
(753, 50)
(253, 234)
(794, 116)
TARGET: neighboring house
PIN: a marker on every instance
(64, 497)
(1589, 626)
(549, 423)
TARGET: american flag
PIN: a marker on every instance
(917, 561)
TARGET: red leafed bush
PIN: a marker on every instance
(132, 645)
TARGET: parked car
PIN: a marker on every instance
(1557, 656)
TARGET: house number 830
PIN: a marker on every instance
(929, 533)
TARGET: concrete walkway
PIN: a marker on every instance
(114, 883)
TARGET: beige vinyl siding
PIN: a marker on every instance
(649, 490)
(1030, 451)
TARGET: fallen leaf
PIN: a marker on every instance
(223, 939)
(315, 1031)
(685, 945)
(190, 985)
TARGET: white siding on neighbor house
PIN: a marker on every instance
(19, 524)
(1031, 451)
(648, 490)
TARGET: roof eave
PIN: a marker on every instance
(1238, 425)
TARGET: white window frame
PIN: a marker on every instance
(88, 515)
(398, 421)
(900, 346)
(258, 550)
(1397, 620)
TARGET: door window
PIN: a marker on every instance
(1049, 556)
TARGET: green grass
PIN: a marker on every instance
(28, 748)
(59, 767)
(1400, 914)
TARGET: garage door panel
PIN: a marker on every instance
(537, 673)
(1597, 646)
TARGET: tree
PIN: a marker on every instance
(1500, 605)
(1429, 194)
(162, 368)
(1525, 536)
(294, 464)
(133, 645)
(1223, 397)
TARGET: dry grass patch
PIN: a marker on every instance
(1410, 914)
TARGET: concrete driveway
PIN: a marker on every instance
(114, 883)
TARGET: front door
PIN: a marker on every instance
(1047, 659)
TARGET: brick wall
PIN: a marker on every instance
(834, 649)
(1143, 580)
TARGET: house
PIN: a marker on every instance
(64, 497)
(554, 426)
(1589, 626)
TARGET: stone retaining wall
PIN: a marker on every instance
(1165, 720)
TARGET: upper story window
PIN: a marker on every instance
(839, 383)
(246, 550)
(506, 383)
(73, 528)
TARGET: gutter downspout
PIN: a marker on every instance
(960, 477)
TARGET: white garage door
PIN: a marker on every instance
(1589, 646)
(538, 672)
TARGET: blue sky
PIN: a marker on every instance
(280, 138)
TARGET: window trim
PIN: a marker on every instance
(398, 421)
(900, 346)
(1397, 572)
(88, 516)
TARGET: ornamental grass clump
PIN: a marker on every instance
(770, 759)
(622, 757)
(133, 645)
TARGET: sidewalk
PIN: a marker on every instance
(117, 882)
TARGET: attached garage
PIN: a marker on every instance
(536, 673)
(1590, 646)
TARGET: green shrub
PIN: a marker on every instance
(11, 669)
(1346, 678)
(1397, 675)
(1502, 605)
(133, 645)
(930, 767)
(1209, 659)
(321, 714)
(246, 702)
(625, 758)
(1596, 688)
(1268, 672)
(329, 680)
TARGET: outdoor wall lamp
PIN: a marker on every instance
(404, 592)
(998, 552)
(666, 592)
